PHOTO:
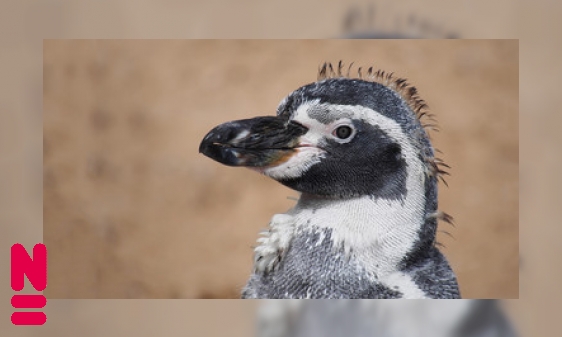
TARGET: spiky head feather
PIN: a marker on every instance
(409, 94)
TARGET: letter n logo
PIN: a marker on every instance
(36, 271)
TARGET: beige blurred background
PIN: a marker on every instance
(25, 24)
(132, 210)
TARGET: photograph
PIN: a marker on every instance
(224, 169)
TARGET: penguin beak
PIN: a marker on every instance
(255, 143)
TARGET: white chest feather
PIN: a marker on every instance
(378, 233)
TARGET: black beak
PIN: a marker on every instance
(256, 142)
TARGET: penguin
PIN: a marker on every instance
(357, 148)
(352, 318)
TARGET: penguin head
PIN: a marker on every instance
(338, 137)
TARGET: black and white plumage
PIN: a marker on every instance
(356, 318)
(365, 223)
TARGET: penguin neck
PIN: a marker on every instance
(378, 232)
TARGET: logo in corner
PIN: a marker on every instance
(35, 268)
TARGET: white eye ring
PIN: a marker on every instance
(343, 133)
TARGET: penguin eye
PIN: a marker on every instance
(343, 132)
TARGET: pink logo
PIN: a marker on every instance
(36, 271)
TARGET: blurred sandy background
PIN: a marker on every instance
(131, 210)
(25, 24)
